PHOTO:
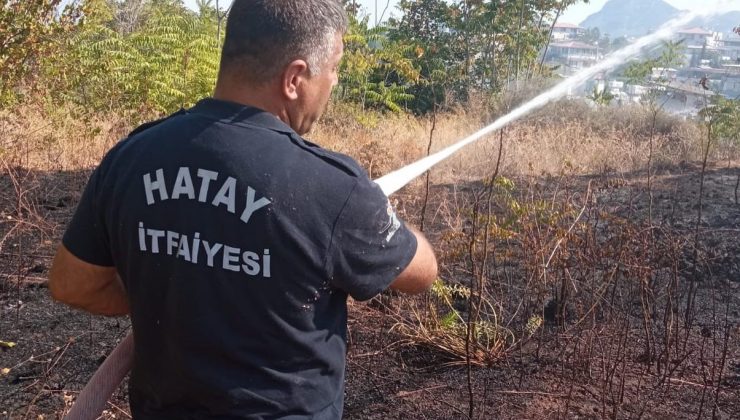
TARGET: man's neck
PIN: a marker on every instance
(258, 97)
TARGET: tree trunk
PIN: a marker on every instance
(549, 37)
(518, 40)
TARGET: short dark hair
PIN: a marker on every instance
(263, 36)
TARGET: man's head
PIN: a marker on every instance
(287, 50)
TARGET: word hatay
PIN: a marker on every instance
(192, 248)
(183, 186)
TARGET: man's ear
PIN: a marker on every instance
(293, 76)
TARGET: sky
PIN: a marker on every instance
(574, 14)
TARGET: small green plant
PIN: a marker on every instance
(724, 116)
(601, 97)
(444, 327)
(533, 325)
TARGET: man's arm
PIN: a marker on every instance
(421, 272)
(86, 286)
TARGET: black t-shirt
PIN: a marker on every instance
(238, 243)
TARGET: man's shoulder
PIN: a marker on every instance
(244, 146)
(183, 122)
(149, 124)
(334, 159)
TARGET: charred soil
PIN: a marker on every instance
(610, 301)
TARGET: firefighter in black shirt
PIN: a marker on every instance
(233, 242)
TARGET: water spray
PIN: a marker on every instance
(397, 179)
(92, 399)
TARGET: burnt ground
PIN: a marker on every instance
(590, 361)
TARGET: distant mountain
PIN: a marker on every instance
(719, 23)
(639, 17)
(630, 17)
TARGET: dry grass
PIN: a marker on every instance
(566, 136)
(56, 139)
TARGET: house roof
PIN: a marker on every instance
(695, 31)
(684, 86)
(565, 25)
(572, 44)
(707, 70)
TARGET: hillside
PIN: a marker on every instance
(639, 17)
(630, 17)
(720, 23)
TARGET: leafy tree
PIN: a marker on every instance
(375, 72)
(427, 35)
(181, 57)
(516, 34)
(619, 43)
(28, 29)
(723, 116)
(169, 60)
(669, 55)
(153, 56)
(469, 45)
(590, 35)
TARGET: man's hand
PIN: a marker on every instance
(421, 271)
(86, 286)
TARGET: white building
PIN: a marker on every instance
(684, 98)
(730, 81)
(663, 74)
(566, 31)
(725, 80)
(729, 46)
(702, 47)
(573, 54)
(696, 37)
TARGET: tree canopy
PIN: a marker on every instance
(155, 56)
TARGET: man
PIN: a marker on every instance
(235, 243)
